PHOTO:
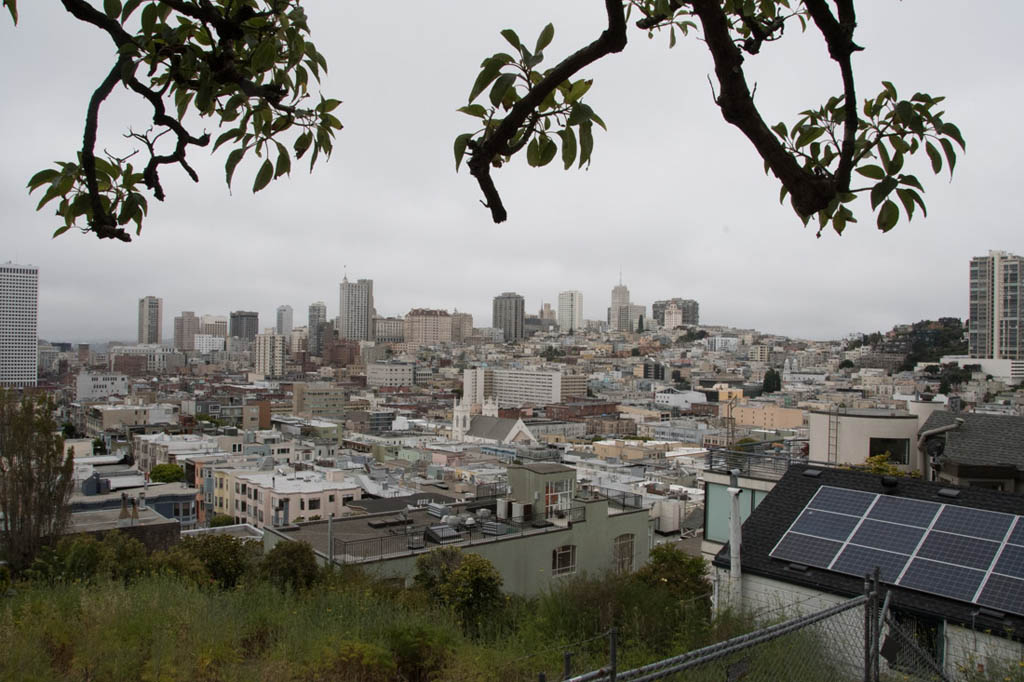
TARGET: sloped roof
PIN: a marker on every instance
(983, 439)
(773, 517)
(491, 428)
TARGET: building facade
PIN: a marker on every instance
(570, 311)
(355, 309)
(284, 320)
(269, 354)
(389, 329)
(317, 317)
(19, 309)
(512, 387)
(508, 315)
(424, 327)
(186, 326)
(687, 309)
(151, 315)
(996, 307)
(244, 324)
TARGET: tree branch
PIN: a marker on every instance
(612, 39)
(810, 193)
(101, 223)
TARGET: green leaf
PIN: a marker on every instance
(544, 39)
(871, 171)
(264, 56)
(460, 148)
(568, 147)
(533, 153)
(233, 158)
(501, 87)
(578, 89)
(129, 8)
(302, 144)
(42, 177)
(150, 14)
(586, 143)
(881, 190)
(907, 199)
(935, 157)
(264, 176)
(229, 135)
(950, 130)
(12, 7)
(490, 71)
(112, 8)
(548, 149)
(911, 180)
(512, 38)
(284, 162)
(947, 147)
(476, 110)
(808, 135)
(888, 216)
(890, 89)
(780, 130)
(329, 105)
(61, 230)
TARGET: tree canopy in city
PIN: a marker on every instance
(248, 65)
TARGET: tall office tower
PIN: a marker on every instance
(244, 324)
(284, 320)
(462, 326)
(214, 325)
(618, 311)
(996, 305)
(19, 341)
(317, 317)
(508, 315)
(547, 312)
(186, 326)
(688, 309)
(355, 309)
(151, 316)
(570, 311)
(269, 354)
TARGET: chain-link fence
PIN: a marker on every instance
(859, 640)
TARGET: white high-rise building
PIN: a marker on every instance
(996, 307)
(269, 354)
(570, 311)
(151, 316)
(284, 320)
(355, 309)
(19, 308)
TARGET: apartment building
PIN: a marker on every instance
(99, 385)
(390, 374)
(513, 387)
(425, 327)
(19, 341)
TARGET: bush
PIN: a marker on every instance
(83, 557)
(420, 652)
(167, 473)
(291, 565)
(220, 520)
(225, 558)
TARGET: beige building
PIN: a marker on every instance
(269, 354)
(513, 387)
(100, 418)
(319, 400)
(462, 326)
(764, 416)
(390, 374)
(634, 449)
(425, 327)
(389, 329)
(265, 498)
(849, 436)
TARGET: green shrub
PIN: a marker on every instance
(420, 652)
(290, 565)
(167, 473)
(226, 558)
(220, 520)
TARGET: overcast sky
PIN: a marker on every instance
(675, 197)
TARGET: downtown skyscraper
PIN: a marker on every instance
(151, 319)
(570, 311)
(508, 315)
(19, 309)
(355, 309)
(996, 307)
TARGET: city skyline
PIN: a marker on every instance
(712, 229)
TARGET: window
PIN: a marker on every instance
(898, 449)
(556, 496)
(314, 504)
(330, 498)
(622, 553)
(302, 504)
(563, 560)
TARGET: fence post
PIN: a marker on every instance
(613, 653)
(876, 617)
(566, 665)
(867, 631)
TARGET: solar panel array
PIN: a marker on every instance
(967, 554)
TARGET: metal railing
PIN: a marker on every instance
(751, 465)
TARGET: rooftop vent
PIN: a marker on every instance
(812, 473)
(951, 493)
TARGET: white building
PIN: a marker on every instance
(995, 326)
(269, 354)
(207, 343)
(355, 309)
(683, 400)
(97, 385)
(390, 374)
(511, 387)
(19, 343)
(158, 358)
(570, 311)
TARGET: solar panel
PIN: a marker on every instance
(963, 553)
(1004, 594)
(909, 512)
(959, 550)
(888, 536)
(974, 522)
(1017, 536)
(1011, 561)
(860, 561)
(825, 524)
(807, 550)
(842, 501)
(947, 580)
